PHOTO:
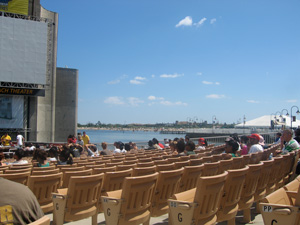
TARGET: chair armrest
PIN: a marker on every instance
(185, 196)
(62, 191)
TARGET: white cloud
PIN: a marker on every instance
(207, 82)
(134, 101)
(253, 101)
(135, 82)
(199, 73)
(168, 103)
(187, 21)
(152, 75)
(114, 101)
(114, 82)
(151, 98)
(212, 21)
(140, 78)
(215, 96)
(200, 22)
(217, 83)
(292, 100)
(175, 75)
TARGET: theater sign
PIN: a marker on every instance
(14, 6)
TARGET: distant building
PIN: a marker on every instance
(36, 98)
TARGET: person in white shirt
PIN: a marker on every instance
(18, 157)
(20, 140)
(255, 146)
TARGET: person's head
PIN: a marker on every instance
(19, 154)
(53, 153)
(297, 132)
(41, 156)
(190, 146)
(70, 136)
(231, 145)
(287, 135)
(93, 148)
(244, 139)
(254, 139)
(121, 145)
(180, 146)
(166, 141)
(83, 133)
(202, 142)
(235, 136)
(155, 141)
(173, 146)
(186, 138)
(127, 147)
(104, 145)
(150, 143)
(65, 156)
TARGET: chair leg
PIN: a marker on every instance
(94, 219)
(257, 209)
(147, 222)
(247, 215)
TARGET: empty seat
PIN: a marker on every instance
(44, 172)
(211, 169)
(142, 171)
(21, 178)
(165, 167)
(104, 170)
(125, 167)
(190, 177)
(68, 174)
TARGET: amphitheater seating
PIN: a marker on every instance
(70, 206)
(104, 170)
(45, 172)
(142, 171)
(165, 167)
(190, 177)
(211, 169)
(198, 205)
(21, 177)
(43, 186)
(18, 171)
(131, 205)
(45, 220)
(68, 174)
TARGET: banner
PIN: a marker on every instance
(14, 6)
(21, 91)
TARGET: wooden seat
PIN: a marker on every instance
(66, 166)
(167, 185)
(248, 191)
(216, 158)
(43, 168)
(71, 168)
(277, 208)
(190, 177)
(3, 168)
(113, 164)
(42, 187)
(21, 178)
(173, 159)
(131, 205)
(275, 175)
(206, 159)
(104, 170)
(130, 162)
(145, 164)
(231, 196)
(211, 169)
(165, 167)
(45, 220)
(114, 180)
(292, 186)
(125, 167)
(195, 162)
(225, 165)
(95, 166)
(85, 163)
(198, 205)
(237, 163)
(184, 157)
(18, 171)
(142, 171)
(161, 162)
(72, 206)
(181, 164)
(20, 166)
(68, 174)
(263, 180)
(44, 172)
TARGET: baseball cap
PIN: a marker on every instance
(201, 141)
(229, 139)
(254, 136)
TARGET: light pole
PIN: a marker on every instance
(287, 114)
(244, 121)
(271, 119)
(292, 114)
(214, 118)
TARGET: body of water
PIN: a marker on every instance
(139, 137)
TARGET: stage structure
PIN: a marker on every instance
(29, 79)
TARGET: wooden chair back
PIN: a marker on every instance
(181, 164)
(211, 169)
(20, 167)
(173, 159)
(68, 174)
(165, 167)
(71, 169)
(167, 185)
(190, 177)
(225, 165)
(125, 167)
(232, 193)
(145, 164)
(238, 163)
(104, 170)
(42, 187)
(21, 178)
(130, 162)
(45, 172)
(114, 180)
(45, 220)
(195, 162)
(43, 168)
(18, 171)
(142, 171)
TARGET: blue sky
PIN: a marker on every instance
(152, 61)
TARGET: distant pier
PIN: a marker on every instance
(172, 132)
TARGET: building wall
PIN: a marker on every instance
(66, 103)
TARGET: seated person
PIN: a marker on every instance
(180, 147)
(202, 143)
(65, 158)
(189, 148)
(105, 151)
(41, 157)
(18, 204)
(6, 140)
(231, 147)
(53, 154)
(18, 155)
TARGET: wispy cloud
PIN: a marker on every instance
(153, 98)
(168, 103)
(199, 73)
(137, 80)
(187, 21)
(215, 96)
(133, 101)
(212, 21)
(253, 101)
(175, 75)
(292, 100)
(114, 100)
(210, 83)
(114, 82)
(118, 80)
(201, 22)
